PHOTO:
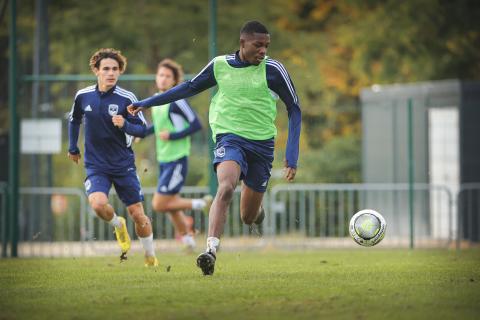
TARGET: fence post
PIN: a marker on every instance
(411, 171)
(4, 220)
(212, 42)
(13, 136)
(459, 219)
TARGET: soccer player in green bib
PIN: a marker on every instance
(242, 116)
(173, 124)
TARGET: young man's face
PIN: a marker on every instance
(164, 79)
(107, 73)
(253, 47)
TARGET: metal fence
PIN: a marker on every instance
(162, 227)
(468, 204)
(318, 210)
(59, 222)
(51, 218)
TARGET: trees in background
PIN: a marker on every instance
(332, 48)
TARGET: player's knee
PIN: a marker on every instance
(138, 216)
(98, 205)
(225, 192)
(142, 219)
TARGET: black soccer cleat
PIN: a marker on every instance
(206, 262)
(123, 257)
(260, 217)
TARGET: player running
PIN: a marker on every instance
(173, 124)
(109, 158)
(242, 116)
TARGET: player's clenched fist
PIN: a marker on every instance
(74, 157)
(289, 172)
(118, 121)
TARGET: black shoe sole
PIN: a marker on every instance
(123, 257)
(206, 262)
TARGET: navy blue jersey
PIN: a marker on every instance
(179, 111)
(107, 147)
(278, 81)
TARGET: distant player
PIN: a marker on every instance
(109, 158)
(173, 124)
(242, 116)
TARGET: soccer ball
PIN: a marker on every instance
(367, 227)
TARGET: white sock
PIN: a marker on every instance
(198, 204)
(212, 244)
(115, 222)
(148, 246)
(188, 240)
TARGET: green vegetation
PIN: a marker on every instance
(331, 48)
(367, 283)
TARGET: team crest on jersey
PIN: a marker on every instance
(112, 109)
(220, 152)
(87, 184)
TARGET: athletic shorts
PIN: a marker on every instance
(126, 184)
(172, 176)
(254, 157)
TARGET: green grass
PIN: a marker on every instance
(367, 283)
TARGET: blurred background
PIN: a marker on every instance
(389, 94)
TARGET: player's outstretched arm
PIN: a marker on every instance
(133, 110)
(203, 81)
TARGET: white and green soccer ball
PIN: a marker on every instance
(367, 227)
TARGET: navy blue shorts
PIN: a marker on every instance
(254, 157)
(126, 184)
(172, 176)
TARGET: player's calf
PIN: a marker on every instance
(260, 216)
(143, 229)
(257, 217)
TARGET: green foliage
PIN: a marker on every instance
(367, 283)
(331, 49)
(336, 162)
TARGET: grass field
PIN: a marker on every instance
(329, 284)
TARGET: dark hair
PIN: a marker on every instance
(251, 27)
(174, 67)
(111, 53)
